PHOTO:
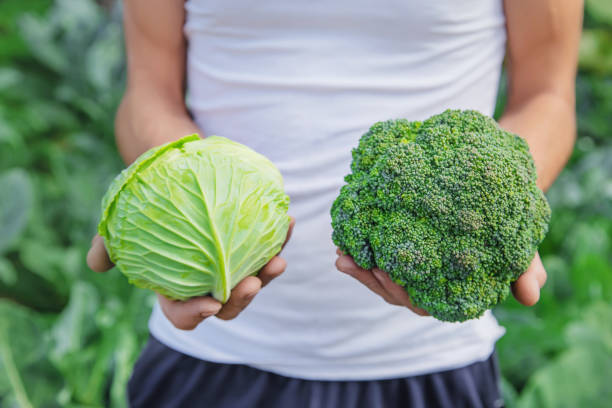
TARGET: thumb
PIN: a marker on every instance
(97, 257)
(526, 289)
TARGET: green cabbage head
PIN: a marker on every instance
(195, 217)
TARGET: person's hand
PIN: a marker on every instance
(187, 314)
(377, 281)
(526, 289)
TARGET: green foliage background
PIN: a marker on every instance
(69, 337)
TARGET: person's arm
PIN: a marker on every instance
(543, 38)
(153, 112)
(542, 56)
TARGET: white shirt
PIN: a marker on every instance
(300, 82)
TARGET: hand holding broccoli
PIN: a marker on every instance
(378, 282)
(526, 289)
(449, 209)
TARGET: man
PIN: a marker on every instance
(300, 82)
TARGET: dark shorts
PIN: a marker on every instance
(167, 378)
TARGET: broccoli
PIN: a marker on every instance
(448, 207)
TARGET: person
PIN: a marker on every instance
(300, 82)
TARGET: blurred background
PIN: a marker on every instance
(69, 336)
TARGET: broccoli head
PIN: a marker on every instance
(448, 207)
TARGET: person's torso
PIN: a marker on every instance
(300, 82)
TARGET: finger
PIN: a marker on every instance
(339, 252)
(186, 315)
(289, 231)
(538, 269)
(240, 298)
(273, 269)
(526, 289)
(398, 293)
(346, 264)
(97, 257)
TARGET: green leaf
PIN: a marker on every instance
(71, 22)
(25, 377)
(9, 77)
(105, 59)
(38, 37)
(11, 370)
(594, 329)
(596, 50)
(12, 45)
(8, 275)
(15, 205)
(76, 321)
(509, 394)
(576, 379)
(126, 352)
(82, 363)
(53, 263)
(579, 377)
(600, 9)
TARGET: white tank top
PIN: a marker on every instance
(300, 82)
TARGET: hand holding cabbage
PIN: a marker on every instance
(196, 217)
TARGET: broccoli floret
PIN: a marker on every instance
(448, 207)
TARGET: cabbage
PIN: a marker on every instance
(195, 217)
